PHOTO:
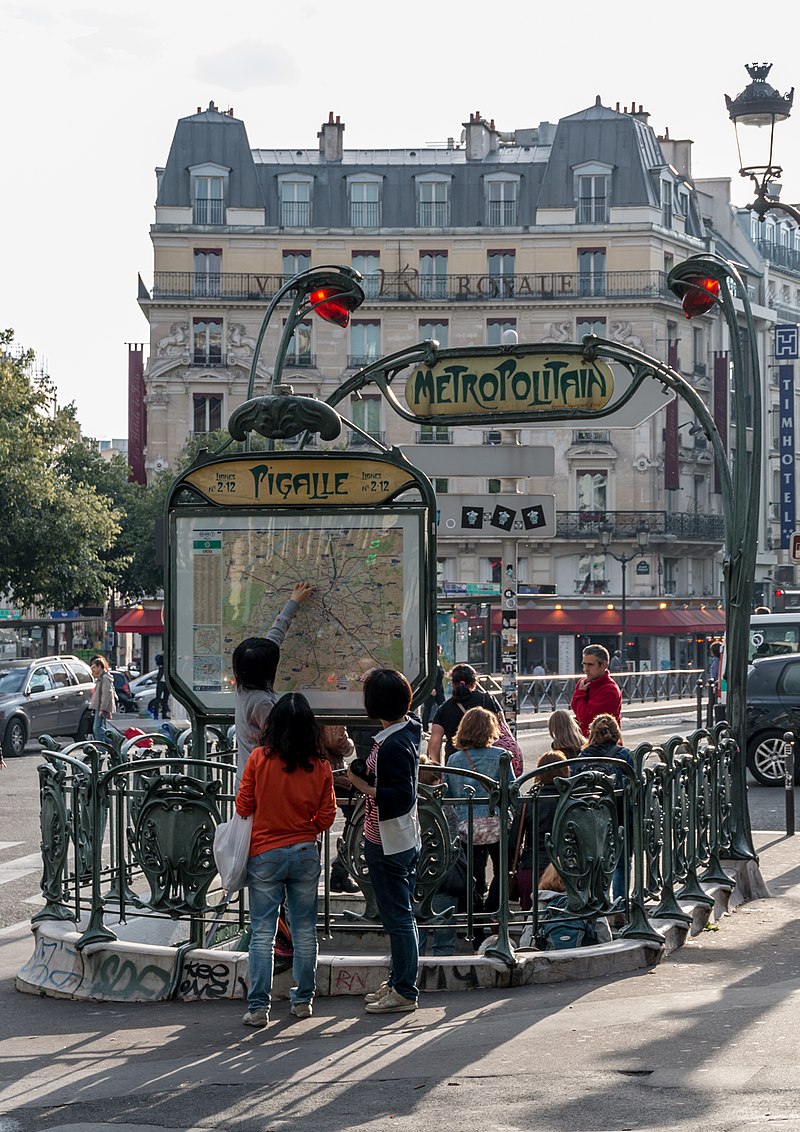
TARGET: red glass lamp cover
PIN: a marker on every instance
(333, 305)
(700, 296)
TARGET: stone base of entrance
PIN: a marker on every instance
(153, 970)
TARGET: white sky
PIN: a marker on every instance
(91, 96)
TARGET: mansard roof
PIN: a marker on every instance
(213, 138)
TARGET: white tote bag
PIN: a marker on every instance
(232, 850)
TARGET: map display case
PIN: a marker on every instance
(360, 529)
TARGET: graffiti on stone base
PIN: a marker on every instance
(51, 966)
(348, 982)
(121, 978)
(441, 977)
(206, 980)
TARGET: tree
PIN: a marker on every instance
(57, 531)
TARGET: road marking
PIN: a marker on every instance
(20, 867)
(9, 844)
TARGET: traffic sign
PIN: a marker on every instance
(497, 516)
(794, 547)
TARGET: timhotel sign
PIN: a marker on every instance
(530, 383)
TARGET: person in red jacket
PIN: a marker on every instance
(596, 694)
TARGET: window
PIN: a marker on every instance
(501, 268)
(433, 434)
(433, 204)
(207, 267)
(207, 341)
(441, 487)
(298, 352)
(491, 569)
(588, 325)
(496, 328)
(591, 271)
(365, 204)
(436, 330)
(698, 351)
(365, 343)
(368, 263)
(666, 203)
(294, 263)
(365, 412)
(494, 487)
(208, 200)
(207, 412)
(433, 275)
(670, 575)
(593, 199)
(501, 203)
(592, 490)
(669, 262)
(295, 204)
(591, 574)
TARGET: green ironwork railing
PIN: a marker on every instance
(127, 831)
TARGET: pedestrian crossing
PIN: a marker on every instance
(19, 866)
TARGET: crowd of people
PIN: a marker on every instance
(292, 773)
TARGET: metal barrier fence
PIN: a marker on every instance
(128, 828)
(546, 693)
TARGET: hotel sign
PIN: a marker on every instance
(530, 383)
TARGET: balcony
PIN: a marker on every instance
(663, 526)
(779, 254)
(357, 361)
(409, 285)
(208, 211)
(365, 214)
(356, 440)
(209, 358)
(295, 214)
(302, 361)
(501, 213)
(592, 586)
(433, 214)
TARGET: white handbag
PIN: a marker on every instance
(232, 850)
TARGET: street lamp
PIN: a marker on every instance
(761, 106)
(606, 532)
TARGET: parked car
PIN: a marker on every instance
(49, 695)
(143, 690)
(773, 707)
(123, 689)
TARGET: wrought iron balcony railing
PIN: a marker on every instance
(779, 254)
(434, 436)
(209, 358)
(209, 211)
(663, 525)
(408, 285)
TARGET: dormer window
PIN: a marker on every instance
(502, 201)
(209, 183)
(666, 203)
(592, 192)
(364, 190)
(296, 194)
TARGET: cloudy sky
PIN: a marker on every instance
(91, 96)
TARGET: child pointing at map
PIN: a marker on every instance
(255, 662)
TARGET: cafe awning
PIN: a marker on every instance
(140, 621)
(640, 622)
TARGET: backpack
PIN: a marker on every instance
(559, 930)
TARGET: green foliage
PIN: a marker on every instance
(58, 531)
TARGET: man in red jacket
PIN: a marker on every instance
(596, 694)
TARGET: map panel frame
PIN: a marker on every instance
(200, 672)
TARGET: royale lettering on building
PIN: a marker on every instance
(544, 383)
(274, 479)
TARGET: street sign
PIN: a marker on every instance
(794, 547)
(497, 516)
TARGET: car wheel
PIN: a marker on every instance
(85, 727)
(766, 759)
(15, 738)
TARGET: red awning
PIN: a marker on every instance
(660, 622)
(140, 621)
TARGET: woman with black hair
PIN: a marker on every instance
(391, 831)
(255, 663)
(287, 786)
(465, 695)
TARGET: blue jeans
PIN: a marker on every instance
(98, 727)
(290, 873)
(394, 878)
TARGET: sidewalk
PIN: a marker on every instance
(708, 1037)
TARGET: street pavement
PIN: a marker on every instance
(707, 1038)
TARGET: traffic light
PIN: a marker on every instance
(699, 295)
(333, 304)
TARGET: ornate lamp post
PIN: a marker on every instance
(643, 538)
(759, 105)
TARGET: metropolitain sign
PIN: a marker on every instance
(540, 383)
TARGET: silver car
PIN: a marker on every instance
(46, 696)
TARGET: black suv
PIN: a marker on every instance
(50, 695)
(773, 707)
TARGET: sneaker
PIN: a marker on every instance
(373, 996)
(302, 1009)
(256, 1017)
(391, 1003)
